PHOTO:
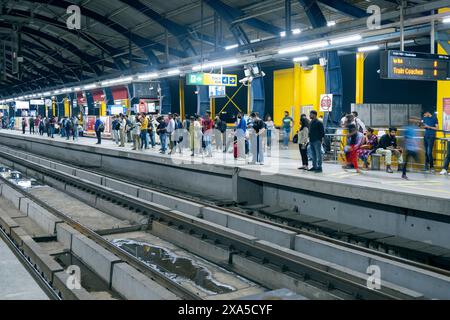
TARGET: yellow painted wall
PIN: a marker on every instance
(283, 93)
(296, 88)
(443, 91)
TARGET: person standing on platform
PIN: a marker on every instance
(411, 145)
(208, 126)
(270, 128)
(99, 129)
(151, 136)
(69, 128)
(191, 130)
(122, 130)
(178, 134)
(42, 126)
(136, 133)
(144, 131)
(288, 123)
(115, 129)
(303, 142)
(431, 125)
(24, 125)
(162, 132)
(241, 131)
(31, 120)
(388, 147)
(446, 161)
(75, 124)
(221, 131)
(128, 129)
(316, 136)
(170, 130)
(258, 128)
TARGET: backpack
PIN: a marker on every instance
(117, 125)
(101, 127)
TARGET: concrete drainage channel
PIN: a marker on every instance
(347, 268)
(104, 275)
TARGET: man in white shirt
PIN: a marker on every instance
(170, 131)
(359, 124)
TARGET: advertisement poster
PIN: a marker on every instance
(107, 121)
(446, 115)
(90, 124)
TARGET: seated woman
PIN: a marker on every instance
(368, 146)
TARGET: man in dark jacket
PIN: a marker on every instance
(316, 136)
(388, 147)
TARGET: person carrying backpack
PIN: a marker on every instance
(99, 129)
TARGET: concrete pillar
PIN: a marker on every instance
(246, 191)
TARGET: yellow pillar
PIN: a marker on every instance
(443, 92)
(103, 109)
(182, 105)
(360, 57)
(212, 103)
(54, 108)
(66, 108)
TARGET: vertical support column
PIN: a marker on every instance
(212, 104)
(258, 98)
(54, 107)
(182, 104)
(288, 21)
(249, 98)
(166, 103)
(297, 97)
(360, 57)
(66, 107)
(443, 92)
(203, 102)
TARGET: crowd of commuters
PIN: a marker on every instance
(251, 137)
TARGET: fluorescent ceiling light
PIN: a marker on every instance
(77, 89)
(56, 91)
(90, 86)
(215, 64)
(446, 20)
(301, 59)
(173, 72)
(310, 46)
(352, 38)
(296, 31)
(368, 48)
(118, 80)
(148, 76)
(283, 34)
(331, 23)
(233, 46)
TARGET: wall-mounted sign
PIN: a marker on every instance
(24, 105)
(326, 103)
(403, 65)
(39, 102)
(217, 91)
(211, 79)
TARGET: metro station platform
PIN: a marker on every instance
(15, 282)
(281, 167)
(417, 209)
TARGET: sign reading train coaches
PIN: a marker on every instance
(326, 103)
(212, 79)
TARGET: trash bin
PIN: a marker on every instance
(376, 162)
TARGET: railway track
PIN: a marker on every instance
(300, 268)
(433, 264)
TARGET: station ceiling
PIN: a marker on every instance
(117, 36)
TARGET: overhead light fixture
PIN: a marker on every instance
(47, 93)
(352, 38)
(90, 86)
(231, 47)
(173, 72)
(283, 34)
(116, 81)
(77, 89)
(300, 59)
(66, 90)
(56, 91)
(296, 31)
(446, 20)
(148, 76)
(331, 23)
(369, 48)
(213, 64)
(309, 46)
